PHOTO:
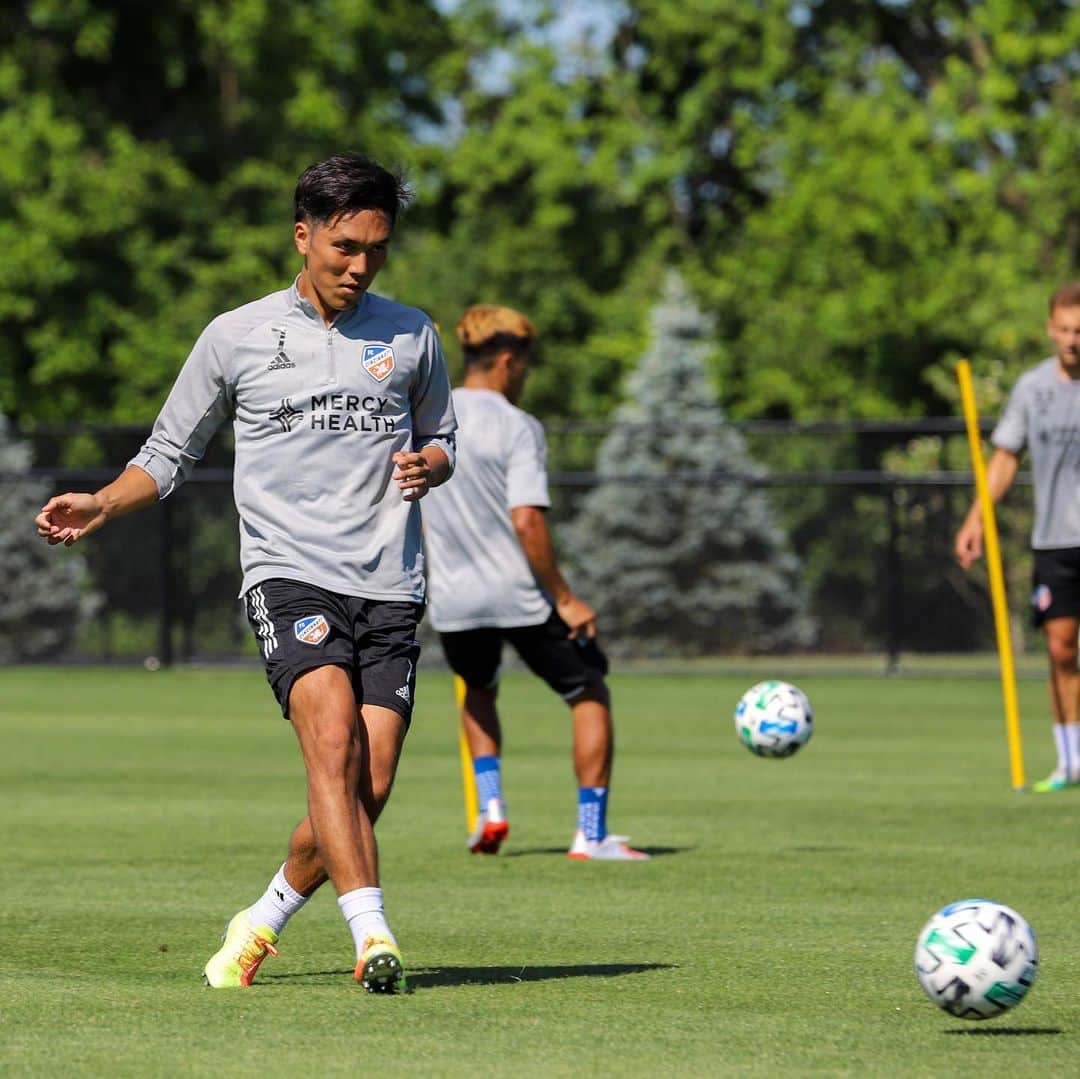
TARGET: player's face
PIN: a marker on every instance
(1064, 331)
(341, 258)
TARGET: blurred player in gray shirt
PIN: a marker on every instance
(494, 578)
(340, 406)
(1043, 416)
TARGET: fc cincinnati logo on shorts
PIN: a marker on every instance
(378, 361)
(311, 630)
(1041, 598)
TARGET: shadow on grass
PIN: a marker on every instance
(441, 977)
(1008, 1032)
(437, 977)
(527, 852)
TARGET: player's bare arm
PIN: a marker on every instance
(69, 517)
(530, 524)
(417, 473)
(1000, 474)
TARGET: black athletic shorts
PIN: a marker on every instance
(300, 627)
(1055, 585)
(570, 667)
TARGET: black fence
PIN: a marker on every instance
(869, 507)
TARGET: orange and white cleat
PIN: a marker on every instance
(245, 946)
(379, 968)
(491, 829)
(612, 848)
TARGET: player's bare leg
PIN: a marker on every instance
(378, 966)
(1064, 685)
(480, 718)
(350, 756)
(324, 715)
(304, 867)
(594, 751)
(323, 711)
(594, 739)
(483, 732)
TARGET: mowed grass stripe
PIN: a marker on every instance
(772, 934)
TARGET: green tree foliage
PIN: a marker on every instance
(864, 190)
(45, 597)
(856, 192)
(149, 157)
(532, 204)
(680, 551)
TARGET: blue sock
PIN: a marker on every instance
(488, 779)
(592, 812)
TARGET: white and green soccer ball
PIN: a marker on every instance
(774, 719)
(976, 958)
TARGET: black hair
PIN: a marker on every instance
(346, 184)
(483, 355)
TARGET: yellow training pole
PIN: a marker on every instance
(997, 578)
(468, 778)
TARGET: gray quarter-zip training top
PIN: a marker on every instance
(317, 412)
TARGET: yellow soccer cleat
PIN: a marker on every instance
(379, 968)
(1057, 780)
(245, 946)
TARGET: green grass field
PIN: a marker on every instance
(772, 933)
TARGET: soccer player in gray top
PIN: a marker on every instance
(1043, 415)
(494, 577)
(341, 408)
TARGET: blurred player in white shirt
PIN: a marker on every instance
(494, 577)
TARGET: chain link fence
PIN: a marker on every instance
(869, 508)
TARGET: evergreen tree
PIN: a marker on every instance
(677, 548)
(45, 596)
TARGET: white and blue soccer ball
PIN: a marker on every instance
(976, 958)
(774, 719)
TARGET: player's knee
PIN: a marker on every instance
(333, 747)
(379, 794)
(1062, 651)
(373, 792)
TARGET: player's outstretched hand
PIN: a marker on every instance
(67, 518)
(969, 544)
(412, 475)
(578, 615)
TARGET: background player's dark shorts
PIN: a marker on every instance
(1055, 585)
(569, 667)
(300, 627)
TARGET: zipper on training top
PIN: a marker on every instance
(332, 380)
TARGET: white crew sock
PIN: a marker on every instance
(1062, 750)
(363, 910)
(277, 904)
(1072, 743)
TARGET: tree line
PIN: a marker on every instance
(856, 192)
(853, 194)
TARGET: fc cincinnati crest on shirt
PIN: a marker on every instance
(311, 630)
(378, 361)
